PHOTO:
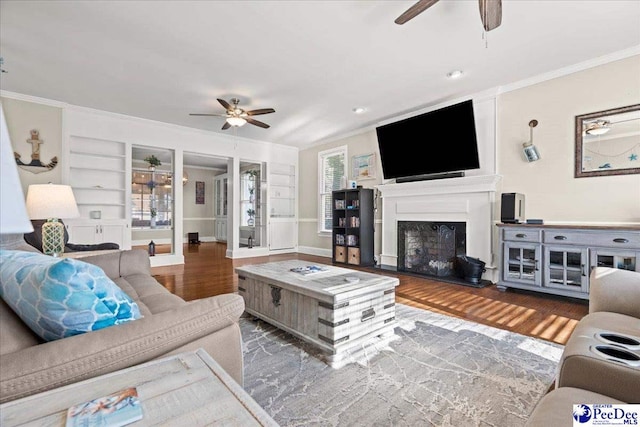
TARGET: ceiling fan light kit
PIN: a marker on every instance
(236, 121)
(599, 127)
(236, 116)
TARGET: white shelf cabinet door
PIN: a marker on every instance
(282, 235)
(83, 234)
(221, 230)
(92, 232)
(114, 233)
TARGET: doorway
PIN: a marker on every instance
(205, 198)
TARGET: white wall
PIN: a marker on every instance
(58, 122)
(134, 131)
(22, 116)
(551, 191)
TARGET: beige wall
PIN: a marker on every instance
(308, 236)
(22, 116)
(551, 191)
(199, 218)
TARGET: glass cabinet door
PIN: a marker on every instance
(566, 268)
(522, 262)
(224, 195)
(625, 260)
(252, 204)
(218, 197)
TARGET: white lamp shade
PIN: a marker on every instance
(46, 201)
(13, 213)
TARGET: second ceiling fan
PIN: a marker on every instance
(490, 12)
(236, 116)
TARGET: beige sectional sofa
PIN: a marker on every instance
(170, 325)
(601, 360)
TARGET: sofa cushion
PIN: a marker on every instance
(14, 334)
(556, 407)
(582, 366)
(59, 298)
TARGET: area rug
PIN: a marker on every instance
(436, 371)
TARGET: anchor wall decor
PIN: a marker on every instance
(35, 166)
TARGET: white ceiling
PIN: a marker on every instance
(312, 61)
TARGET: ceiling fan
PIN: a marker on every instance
(490, 12)
(237, 116)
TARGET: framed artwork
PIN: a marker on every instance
(199, 192)
(363, 166)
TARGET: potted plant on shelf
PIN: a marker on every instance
(153, 161)
(252, 173)
(251, 212)
(154, 213)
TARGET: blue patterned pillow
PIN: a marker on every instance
(59, 298)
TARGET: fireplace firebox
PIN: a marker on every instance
(430, 248)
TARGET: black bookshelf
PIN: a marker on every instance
(353, 226)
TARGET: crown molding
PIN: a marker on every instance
(581, 66)
(492, 92)
(34, 99)
(70, 107)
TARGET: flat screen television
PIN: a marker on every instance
(436, 144)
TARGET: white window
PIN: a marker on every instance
(332, 173)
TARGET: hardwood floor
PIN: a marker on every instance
(207, 272)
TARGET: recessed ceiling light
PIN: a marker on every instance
(358, 110)
(455, 74)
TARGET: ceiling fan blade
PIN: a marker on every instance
(490, 13)
(226, 125)
(225, 104)
(415, 10)
(256, 122)
(203, 114)
(260, 111)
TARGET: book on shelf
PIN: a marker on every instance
(310, 269)
(115, 410)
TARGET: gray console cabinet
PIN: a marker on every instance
(557, 259)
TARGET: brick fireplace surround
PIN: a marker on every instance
(470, 199)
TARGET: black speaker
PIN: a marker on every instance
(512, 209)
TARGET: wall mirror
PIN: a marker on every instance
(608, 142)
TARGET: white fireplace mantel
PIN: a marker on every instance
(466, 184)
(470, 199)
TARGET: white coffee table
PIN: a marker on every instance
(337, 310)
(187, 389)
